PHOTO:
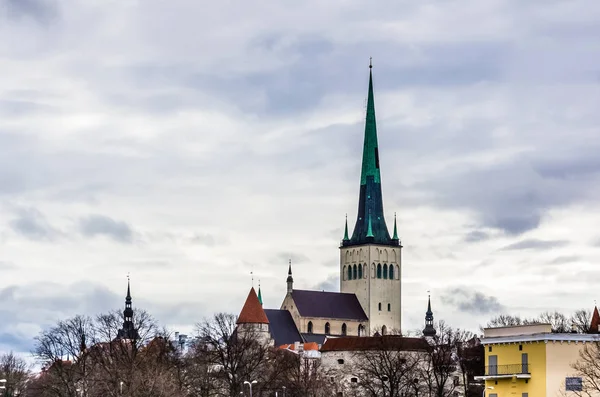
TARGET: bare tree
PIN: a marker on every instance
(558, 321)
(391, 368)
(16, 372)
(233, 357)
(581, 319)
(588, 368)
(443, 360)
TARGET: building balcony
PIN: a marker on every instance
(508, 371)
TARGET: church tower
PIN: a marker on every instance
(370, 260)
(128, 331)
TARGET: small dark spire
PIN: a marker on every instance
(128, 331)
(395, 229)
(370, 62)
(429, 329)
(290, 279)
(259, 294)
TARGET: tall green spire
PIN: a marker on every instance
(259, 294)
(370, 228)
(370, 160)
(346, 238)
(395, 229)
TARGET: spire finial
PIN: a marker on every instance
(370, 62)
(395, 236)
(252, 276)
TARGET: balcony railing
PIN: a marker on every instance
(509, 369)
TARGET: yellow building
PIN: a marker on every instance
(531, 361)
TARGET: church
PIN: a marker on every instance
(369, 301)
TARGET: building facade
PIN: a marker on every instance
(532, 361)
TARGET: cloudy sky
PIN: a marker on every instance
(191, 142)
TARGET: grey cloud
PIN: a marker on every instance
(204, 239)
(284, 258)
(32, 224)
(39, 10)
(476, 235)
(470, 301)
(100, 225)
(535, 244)
(565, 259)
(331, 284)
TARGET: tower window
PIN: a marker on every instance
(344, 329)
(365, 270)
(310, 327)
(355, 273)
(379, 306)
(327, 328)
(344, 273)
(385, 273)
(389, 307)
(384, 330)
(361, 330)
(379, 270)
(391, 272)
(360, 272)
(349, 272)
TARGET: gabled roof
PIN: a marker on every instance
(252, 312)
(335, 305)
(595, 321)
(319, 339)
(282, 326)
(387, 342)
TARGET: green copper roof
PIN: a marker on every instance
(370, 160)
(346, 238)
(259, 296)
(370, 228)
(395, 237)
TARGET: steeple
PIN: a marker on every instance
(346, 230)
(395, 237)
(595, 321)
(128, 331)
(429, 329)
(259, 294)
(370, 205)
(290, 279)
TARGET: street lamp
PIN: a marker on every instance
(121, 387)
(283, 387)
(250, 384)
(486, 388)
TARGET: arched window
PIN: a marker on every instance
(344, 329)
(344, 273)
(310, 327)
(379, 306)
(391, 272)
(361, 330)
(359, 270)
(355, 273)
(389, 307)
(365, 270)
(385, 271)
(373, 271)
(349, 272)
(379, 270)
(384, 330)
(327, 329)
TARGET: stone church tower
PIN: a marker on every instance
(370, 260)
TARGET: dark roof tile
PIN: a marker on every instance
(388, 342)
(282, 326)
(336, 305)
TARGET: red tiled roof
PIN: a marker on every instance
(252, 312)
(388, 342)
(595, 321)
